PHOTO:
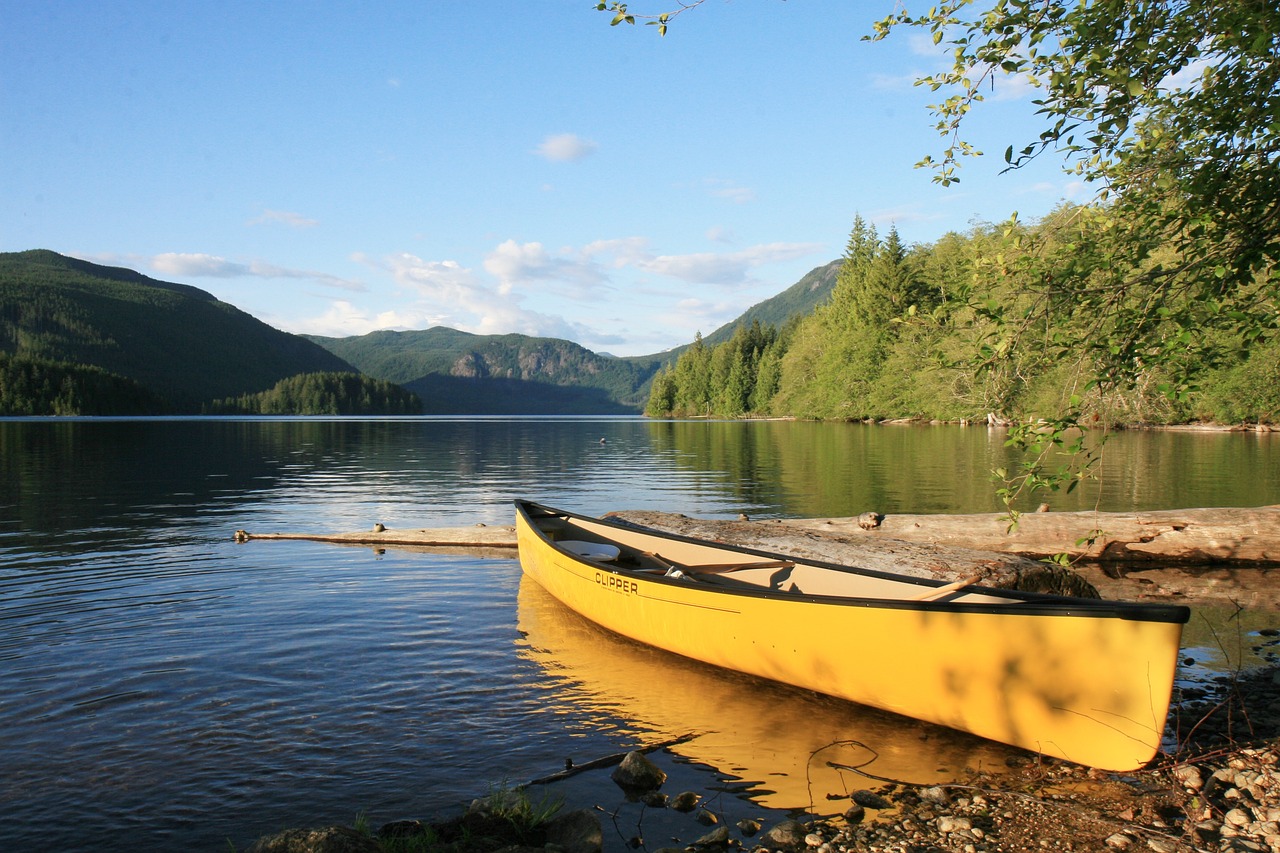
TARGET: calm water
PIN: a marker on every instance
(161, 685)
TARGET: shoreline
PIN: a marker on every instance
(1216, 791)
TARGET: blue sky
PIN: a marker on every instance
(489, 165)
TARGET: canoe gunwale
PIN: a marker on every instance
(1022, 603)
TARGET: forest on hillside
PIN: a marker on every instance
(937, 331)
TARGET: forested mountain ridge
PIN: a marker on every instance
(493, 374)
(83, 338)
(920, 332)
(518, 374)
(798, 300)
(64, 322)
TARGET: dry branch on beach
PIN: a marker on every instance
(1202, 552)
(1240, 536)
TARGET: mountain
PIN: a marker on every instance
(460, 373)
(132, 344)
(175, 341)
(797, 300)
(457, 372)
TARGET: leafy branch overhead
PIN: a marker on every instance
(1171, 109)
(621, 15)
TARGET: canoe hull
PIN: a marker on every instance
(1082, 682)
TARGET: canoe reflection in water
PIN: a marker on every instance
(777, 739)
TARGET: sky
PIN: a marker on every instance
(495, 166)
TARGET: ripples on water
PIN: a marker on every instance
(163, 686)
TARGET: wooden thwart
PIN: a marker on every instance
(947, 589)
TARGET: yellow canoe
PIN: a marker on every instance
(1085, 680)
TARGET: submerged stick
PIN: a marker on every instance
(606, 761)
(479, 536)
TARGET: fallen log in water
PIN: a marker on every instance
(1233, 536)
(478, 536)
(1239, 536)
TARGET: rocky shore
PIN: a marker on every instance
(1217, 790)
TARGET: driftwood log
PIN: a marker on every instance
(1008, 571)
(1239, 536)
(1203, 554)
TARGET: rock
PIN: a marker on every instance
(1188, 775)
(330, 839)
(706, 817)
(854, 814)
(638, 772)
(718, 837)
(1237, 817)
(401, 829)
(654, 799)
(748, 827)
(788, 835)
(576, 832)
(870, 800)
(1119, 841)
(948, 824)
(685, 801)
(936, 795)
(870, 520)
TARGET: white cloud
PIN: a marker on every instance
(730, 268)
(283, 217)
(719, 234)
(343, 319)
(198, 265)
(566, 148)
(515, 263)
(724, 268)
(730, 191)
(194, 264)
(463, 300)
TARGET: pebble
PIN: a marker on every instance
(1225, 800)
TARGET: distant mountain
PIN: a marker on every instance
(460, 373)
(113, 334)
(457, 372)
(797, 300)
(176, 341)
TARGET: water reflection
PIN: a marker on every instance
(776, 738)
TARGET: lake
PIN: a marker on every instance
(162, 685)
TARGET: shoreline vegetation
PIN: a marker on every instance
(945, 331)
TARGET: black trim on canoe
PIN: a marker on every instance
(1026, 603)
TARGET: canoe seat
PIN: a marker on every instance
(591, 550)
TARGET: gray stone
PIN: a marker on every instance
(330, 839)
(1188, 775)
(685, 801)
(789, 835)
(936, 795)
(638, 772)
(718, 837)
(870, 800)
(576, 832)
